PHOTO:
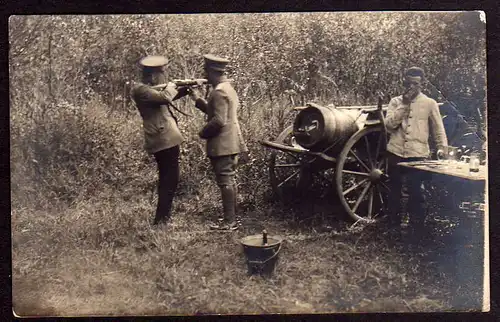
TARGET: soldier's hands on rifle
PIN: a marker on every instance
(200, 82)
(194, 93)
(181, 92)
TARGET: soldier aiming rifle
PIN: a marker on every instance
(153, 97)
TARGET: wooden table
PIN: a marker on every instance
(469, 242)
(464, 187)
(453, 169)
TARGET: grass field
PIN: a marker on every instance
(83, 243)
(101, 256)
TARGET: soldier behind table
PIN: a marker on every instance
(162, 136)
(223, 135)
(410, 120)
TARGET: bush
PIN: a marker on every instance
(72, 152)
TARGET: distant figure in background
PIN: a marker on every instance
(222, 132)
(458, 131)
(408, 119)
(162, 136)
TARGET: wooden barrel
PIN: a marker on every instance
(317, 128)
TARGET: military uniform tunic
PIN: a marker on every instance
(159, 125)
(222, 131)
(410, 126)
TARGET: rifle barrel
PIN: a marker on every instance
(182, 82)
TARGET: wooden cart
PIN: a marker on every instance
(351, 141)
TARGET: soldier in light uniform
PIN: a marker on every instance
(162, 136)
(223, 135)
(410, 120)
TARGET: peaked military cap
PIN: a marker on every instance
(215, 63)
(153, 61)
(415, 71)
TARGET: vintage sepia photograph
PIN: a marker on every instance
(248, 163)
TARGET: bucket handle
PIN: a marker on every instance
(267, 260)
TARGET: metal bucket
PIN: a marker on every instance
(261, 253)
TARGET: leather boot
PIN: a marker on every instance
(228, 203)
(236, 209)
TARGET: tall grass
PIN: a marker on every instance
(71, 153)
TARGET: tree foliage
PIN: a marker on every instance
(84, 62)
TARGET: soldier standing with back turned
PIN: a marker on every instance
(223, 135)
(162, 136)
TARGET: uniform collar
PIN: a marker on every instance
(223, 79)
(420, 95)
(417, 97)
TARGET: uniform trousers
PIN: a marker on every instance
(168, 172)
(407, 195)
(224, 168)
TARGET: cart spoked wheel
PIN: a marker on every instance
(288, 171)
(362, 174)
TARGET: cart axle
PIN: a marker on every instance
(376, 175)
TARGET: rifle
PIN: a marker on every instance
(195, 82)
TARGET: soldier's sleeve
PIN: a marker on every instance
(396, 112)
(201, 104)
(219, 119)
(437, 126)
(149, 95)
